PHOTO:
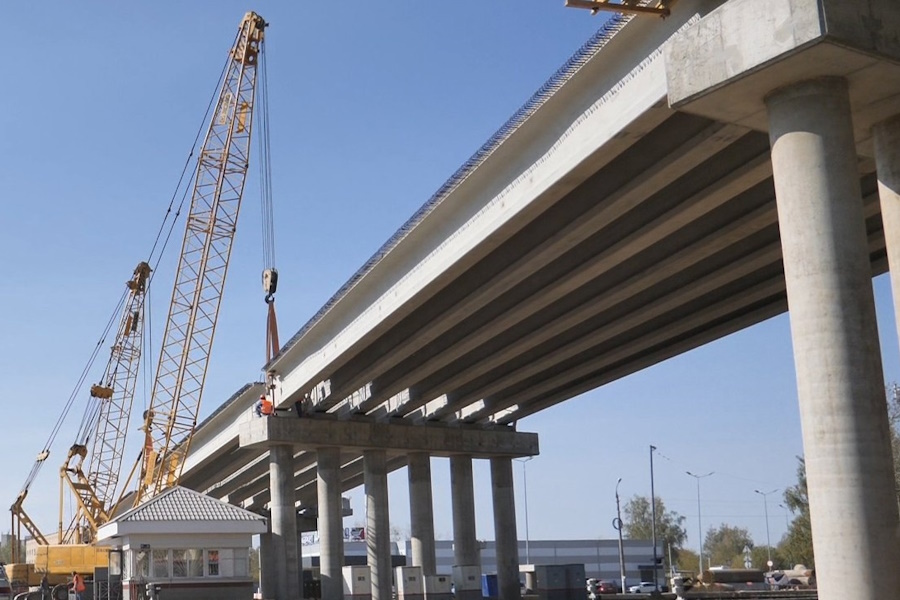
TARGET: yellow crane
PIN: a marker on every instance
(196, 297)
(168, 423)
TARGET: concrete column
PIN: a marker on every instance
(505, 533)
(283, 522)
(462, 486)
(331, 535)
(378, 525)
(421, 512)
(887, 157)
(840, 383)
(267, 571)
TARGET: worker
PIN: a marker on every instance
(78, 586)
(264, 407)
(45, 588)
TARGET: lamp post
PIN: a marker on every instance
(787, 523)
(699, 525)
(766, 508)
(618, 526)
(653, 517)
(525, 497)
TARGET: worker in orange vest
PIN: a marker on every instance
(264, 408)
(78, 586)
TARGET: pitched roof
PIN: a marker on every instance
(182, 504)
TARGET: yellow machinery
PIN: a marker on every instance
(662, 8)
(92, 467)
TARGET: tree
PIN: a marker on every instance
(688, 561)
(725, 545)
(669, 524)
(893, 402)
(796, 546)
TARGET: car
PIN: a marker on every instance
(604, 586)
(644, 587)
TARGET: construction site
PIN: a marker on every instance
(650, 198)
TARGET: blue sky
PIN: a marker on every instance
(372, 107)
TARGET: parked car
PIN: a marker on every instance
(644, 587)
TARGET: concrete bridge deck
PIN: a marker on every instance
(598, 233)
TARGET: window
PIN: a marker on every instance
(142, 563)
(179, 563)
(194, 562)
(212, 562)
(160, 563)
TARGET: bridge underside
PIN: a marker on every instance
(671, 244)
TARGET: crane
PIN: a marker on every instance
(218, 186)
(104, 425)
(107, 421)
(168, 423)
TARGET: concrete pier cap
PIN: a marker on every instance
(724, 66)
(395, 438)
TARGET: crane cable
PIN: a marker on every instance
(267, 217)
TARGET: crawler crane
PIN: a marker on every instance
(168, 423)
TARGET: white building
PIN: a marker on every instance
(191, 545)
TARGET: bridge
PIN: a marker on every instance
(676, 181)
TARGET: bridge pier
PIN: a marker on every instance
(887, 157)
(268, 573)
(377, 442)
(505, 532)
(465, 544)
(813, 74)
(283, 519)
(331, 535)
(378, 526)
(421, 512)
(840, 382)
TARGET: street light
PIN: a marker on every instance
(618, 525)
(653, 517)
(525, 496)
(766, 507)
(787, 523)
(699, 525)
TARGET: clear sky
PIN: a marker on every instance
(372, 107)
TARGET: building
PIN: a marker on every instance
(599, 557)
(191, 545)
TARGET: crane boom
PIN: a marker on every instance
(106, 425)
(200, 277)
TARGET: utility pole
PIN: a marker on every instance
(653, 517)
(617, 524)
(768, 541)
(524, 462)
(699, 525)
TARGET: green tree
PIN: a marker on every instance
(688, 561)
(893, 402)
(725, 545)
(638, 524)
(760, 557)
(796, 546)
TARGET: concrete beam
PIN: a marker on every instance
(723, 66)
(314, 433)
